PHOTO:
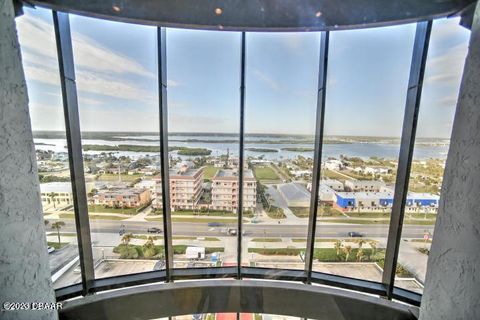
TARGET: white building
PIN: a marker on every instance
(56, 194)
(333, 164)
(364, 185)
(149, 185)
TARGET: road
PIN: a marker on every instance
(200, 229)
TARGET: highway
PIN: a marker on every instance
(201, 229)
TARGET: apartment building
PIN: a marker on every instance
(123, 198)
(185, 188)
(56, 194)
(225, 190)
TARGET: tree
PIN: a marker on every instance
(58, 225)
(193, 203)
(373, 245)
(46, 222)
(338, 246)
(360, 243)
(360, 255)
(127, 237)
(347, 250)
(52, 196)
(149, 248)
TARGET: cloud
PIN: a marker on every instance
(37, 36)
(98, 70)
(447, 67)
(266, 79)
(172, 83)
(448, 101)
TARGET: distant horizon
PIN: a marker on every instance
(236, 133)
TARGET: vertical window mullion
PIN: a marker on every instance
(241, 155)
(412, 106)
(317, 157)
(74, 145)
(164, 169)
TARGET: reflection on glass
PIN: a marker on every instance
(40, 63)
(446, 56)
(203, 102)
(366, 91)
(281, 91)
(116, 71)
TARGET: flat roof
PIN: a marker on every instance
(229, 173)
(123, 192)
(294, 192)
(56, 187)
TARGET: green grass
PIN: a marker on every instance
(266, 240)
(202, 220)
(103, 209)
(159, 250)
(56, 245)
(421, 215)
(324, 254)
(323, 211)
(203, 214)
(334, 175)
(114, 177)
(359, 221)
(265, 174)
(91, 216)
(368, 214)
(209, 172)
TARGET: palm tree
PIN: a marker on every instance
(373, 245)
(193, 203)
(149, 247)
(347, 250)
(360, 255)
(127, 237)
(52, 196)
(360, 243)
(58, 225)
(338, 246)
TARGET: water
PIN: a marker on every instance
(382, 148)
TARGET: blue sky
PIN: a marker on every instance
(116, 72)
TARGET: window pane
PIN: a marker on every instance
(116, 71)
(37, 39)
(446, 57)
(366, 91)
(282, 73)
(203, 108)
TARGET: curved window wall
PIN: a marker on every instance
(327, 112)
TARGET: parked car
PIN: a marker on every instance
(154, 230)
(232, 232)
(216, 224)
(50, 249)
(355, 234)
